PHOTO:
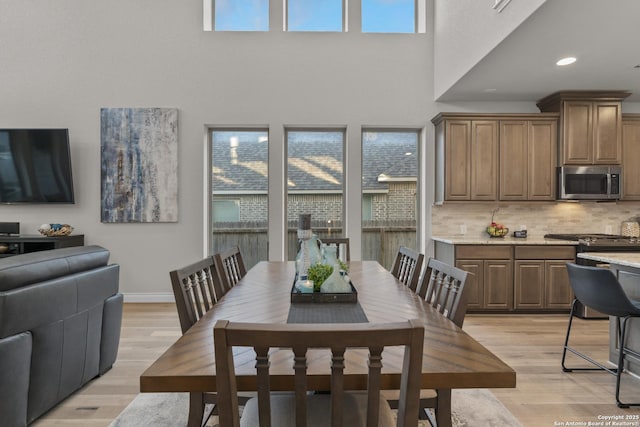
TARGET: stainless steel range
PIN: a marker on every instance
(597, 243)
(600, 242)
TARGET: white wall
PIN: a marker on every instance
(467, 30)
(61, 61)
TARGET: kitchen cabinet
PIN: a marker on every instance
(630, 157)
(528, 159)
(490, 279)
(590, 126)
(512, 277)
(469, 159)
(541, 280)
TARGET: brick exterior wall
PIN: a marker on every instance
(253, 208)
(398, 204)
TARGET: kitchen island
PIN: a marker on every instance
(626, 267)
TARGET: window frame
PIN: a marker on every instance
(344, 20)
(343, 130)
(209, 129)
(417, 22)
(420, 213)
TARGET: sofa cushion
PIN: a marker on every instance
(29, 307)
(25, 269)
(32, 306)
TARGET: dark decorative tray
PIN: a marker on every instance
(297, 296)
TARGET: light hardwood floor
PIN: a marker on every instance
(531, 344)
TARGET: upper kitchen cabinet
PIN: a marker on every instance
(489, 157)
(590, 129)
(528, 159)
(630, 156)
(466, 158)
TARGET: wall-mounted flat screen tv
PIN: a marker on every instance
(35, 166)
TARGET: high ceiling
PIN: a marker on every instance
(605, 39)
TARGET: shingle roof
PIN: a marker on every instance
(312, 166)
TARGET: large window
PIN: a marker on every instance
(315, 181)
(389, 184)
(389, 16)
(239, 185)
(314, 15)
(241, 15)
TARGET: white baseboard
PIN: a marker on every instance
(149, 297)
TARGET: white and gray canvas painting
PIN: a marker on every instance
(139, 164)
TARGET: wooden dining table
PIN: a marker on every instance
(451, 359)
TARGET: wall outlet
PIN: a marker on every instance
(523, 227)
(463, 228)
(608, 229)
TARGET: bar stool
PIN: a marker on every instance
(599, 289)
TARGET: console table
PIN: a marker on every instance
(23, 243)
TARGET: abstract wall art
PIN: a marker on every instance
(139, 152)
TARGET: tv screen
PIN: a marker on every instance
(35, 166)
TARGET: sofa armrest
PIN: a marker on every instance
(15, 359)
(111, 324)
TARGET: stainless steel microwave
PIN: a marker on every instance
(589, 182)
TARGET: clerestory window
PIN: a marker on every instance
(389, 16)
(314, 15)
(241, 15)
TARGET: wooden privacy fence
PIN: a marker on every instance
(380, 239)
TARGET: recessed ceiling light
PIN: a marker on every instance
(490, 90)
(566, 61)
(408, 153)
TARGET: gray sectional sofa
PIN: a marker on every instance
(60, 318)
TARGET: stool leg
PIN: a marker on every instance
(566, 340)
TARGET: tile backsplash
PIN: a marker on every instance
(471, 219)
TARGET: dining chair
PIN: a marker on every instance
(342, 244)
(443, 288)
(336, 408)
(196, 289)
(230, 267)
(598, 288)
(407, 266)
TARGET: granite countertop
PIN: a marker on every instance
(507, 240)
(628, 259)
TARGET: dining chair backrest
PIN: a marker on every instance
(196, 289)
(230, 267)
(443, 287)
(407, 266)
(342, 243)
(297, 339)
(599, 289)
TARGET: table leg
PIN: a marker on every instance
(196, 409)
(443, 409)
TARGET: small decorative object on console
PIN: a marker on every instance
(55, 230)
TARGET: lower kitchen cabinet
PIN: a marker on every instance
(541, 280)
(490, 281)
(512, 278)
